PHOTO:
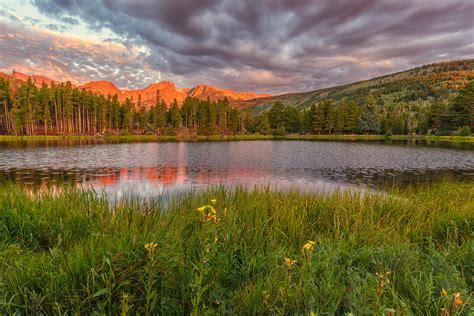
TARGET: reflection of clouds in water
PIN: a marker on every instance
(135, 187)
(159, 168)
(143, 186)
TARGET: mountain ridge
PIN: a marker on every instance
(430, 82)
(167, 90)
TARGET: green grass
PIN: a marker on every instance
(450, 139)
(10, 138)
(336, 137)
(447, 139)
(74, 253)
(428, 138)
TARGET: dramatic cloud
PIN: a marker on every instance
(265, 46)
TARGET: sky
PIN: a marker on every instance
(267, 46)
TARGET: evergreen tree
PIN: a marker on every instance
(318, 118)
(212, 118)
(175, 115)
(369, 120)
(340, 117)
(352, 118)
(5, 105)
(234, 121)
(160, 116)
(436, 117)
(329, 116)
(126, 115)
(276, 115)
(44, 107)
(292, 120)
(461, 109)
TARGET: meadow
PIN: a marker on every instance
(239, 251)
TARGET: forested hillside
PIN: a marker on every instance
(432, 99)
(417, 87)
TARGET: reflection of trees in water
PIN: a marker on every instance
(173, 176)
(393, 177)
(41, 179)
(164, 175)
(53, 143)
(101, 177)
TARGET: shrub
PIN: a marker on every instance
(280, 131)
(463, 131)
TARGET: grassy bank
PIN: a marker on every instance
(428, 138)
(336, 137)
(371, 254)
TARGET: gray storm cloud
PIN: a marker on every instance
(265, 46)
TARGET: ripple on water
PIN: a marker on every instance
(153, 168)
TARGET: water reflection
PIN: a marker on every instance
(154, 168)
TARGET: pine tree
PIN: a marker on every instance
(318, 118)
(329, 116)
(5, 102)
(461, 109)
(175, 115)
(203, 117)
(212, 118)
(352, 118)
(234, 121)
(265, 124)
(44, 105)
(341, 117)
(369, 120)
(276, 115)
(292, 119)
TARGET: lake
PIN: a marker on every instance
(151, 168)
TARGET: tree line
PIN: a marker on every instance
(64, 109)
(370, 117)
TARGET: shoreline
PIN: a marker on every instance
(427, 138)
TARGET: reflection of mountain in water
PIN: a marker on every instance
(142, 180)
(154, 168)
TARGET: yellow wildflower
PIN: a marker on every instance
(444, 293)
(150, 247)
(213, 201)
(289, 262)
(309, 246)
(209, 213)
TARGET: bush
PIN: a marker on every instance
(463, 131)
(280, 131)
(124, 132)
(442, 133)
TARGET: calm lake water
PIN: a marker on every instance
(151, 168)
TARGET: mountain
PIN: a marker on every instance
(37, 79)
(7, 77)
(205, 91)
(418, 86)
(167, 90)
(102, 87)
